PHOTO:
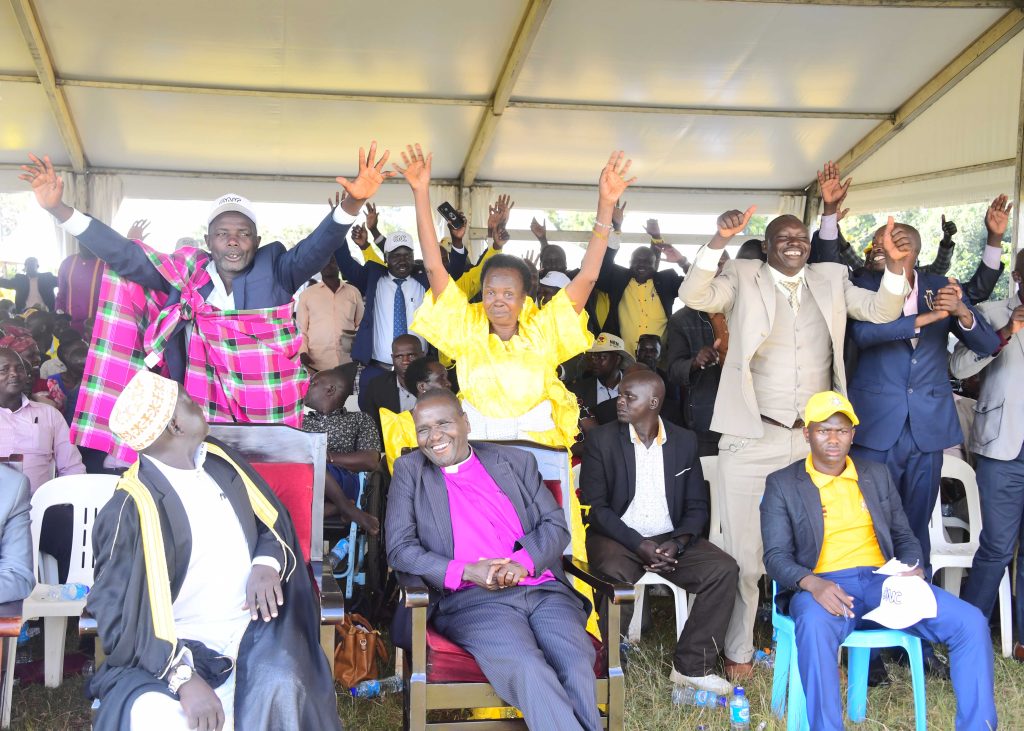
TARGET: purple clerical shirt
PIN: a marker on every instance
(78, 288)
(484, 524)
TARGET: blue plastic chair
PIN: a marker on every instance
(859, 645)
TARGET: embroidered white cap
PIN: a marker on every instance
(906, 600)
(231, 203)
(144, 409)
(397, 240)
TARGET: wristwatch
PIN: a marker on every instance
(181, 674)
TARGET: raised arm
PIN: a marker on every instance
(944, 256)
(611, 186)
(702, 289)
(417, 174)
(120, 253)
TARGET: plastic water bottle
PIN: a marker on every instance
(66, 592)
(687, 696)
(739, 711)
(375, 688)
(23, 653)
(338, 555)
(764, 658)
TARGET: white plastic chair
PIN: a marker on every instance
(953, 558)
(709, 466)
(87, 493)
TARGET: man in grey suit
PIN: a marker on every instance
(477, 523)
(828, 523)
(16, 575)
(998, 440)
(787, 323)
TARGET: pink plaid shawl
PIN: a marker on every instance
(242, 364)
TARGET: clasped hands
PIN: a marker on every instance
(659, 558)
(495, 573)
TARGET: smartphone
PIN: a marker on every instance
(447, 210)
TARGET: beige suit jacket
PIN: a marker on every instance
(745, 292)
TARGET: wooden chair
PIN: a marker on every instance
(440, 675)
(293, 463)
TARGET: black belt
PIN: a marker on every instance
(798, 424)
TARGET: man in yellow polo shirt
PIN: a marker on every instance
(827, 523)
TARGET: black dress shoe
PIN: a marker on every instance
(878, 676)
(935, 668)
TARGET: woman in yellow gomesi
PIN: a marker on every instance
(507, 350)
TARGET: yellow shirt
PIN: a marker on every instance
(507, 379)
(398, 432)
(850, 539)
(641, 313)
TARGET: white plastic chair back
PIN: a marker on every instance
(955, 468)
(87, 493)
(709, 466)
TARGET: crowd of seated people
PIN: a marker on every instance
(636, 372)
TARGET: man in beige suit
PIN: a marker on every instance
(787, 324)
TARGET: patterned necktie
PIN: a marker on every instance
(794, 301)
(401, 326)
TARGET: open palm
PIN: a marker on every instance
(47, 186)
(417, 167)
(613, 181)
(371, 174)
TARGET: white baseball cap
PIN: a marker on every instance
(557, 280)
(397, 240)
(906, 600)
(230, 202)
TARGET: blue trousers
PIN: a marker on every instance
(958, 624)
(1001, 488)
(917, 475)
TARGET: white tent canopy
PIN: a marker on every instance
(719, 103)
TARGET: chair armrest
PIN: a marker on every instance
(87, 625)
(414, 588)
(10, 619)
(332, 598)
(615, 592)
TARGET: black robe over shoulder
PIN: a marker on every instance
(283, 680)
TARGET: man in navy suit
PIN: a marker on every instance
(393, 294)
(901, 389)
(243, 274)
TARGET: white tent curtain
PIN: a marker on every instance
(98, 195)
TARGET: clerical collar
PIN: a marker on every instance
(453, 469)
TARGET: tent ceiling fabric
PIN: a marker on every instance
(773, 56)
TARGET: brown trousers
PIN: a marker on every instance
(704, 571)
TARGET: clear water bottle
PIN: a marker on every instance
(684, 695)
(24, 650)
(338, 555)
(739, 711)
(375, 688)
(66, 592)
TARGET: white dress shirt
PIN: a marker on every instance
(647, 514)
(384, 313)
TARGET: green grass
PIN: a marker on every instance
(648, 704)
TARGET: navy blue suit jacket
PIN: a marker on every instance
(895, 381)
(364, 277)
(271, 280)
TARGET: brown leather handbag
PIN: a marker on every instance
(357, 650)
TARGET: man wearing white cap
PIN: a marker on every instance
(220, 322)
(393, 293)
(828, 523)
(204, 609)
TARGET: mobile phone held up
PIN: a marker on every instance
(447, 210)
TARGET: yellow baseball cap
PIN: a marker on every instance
(822, 405)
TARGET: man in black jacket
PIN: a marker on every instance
(33, 288)
(827, 523)
(648, 507)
